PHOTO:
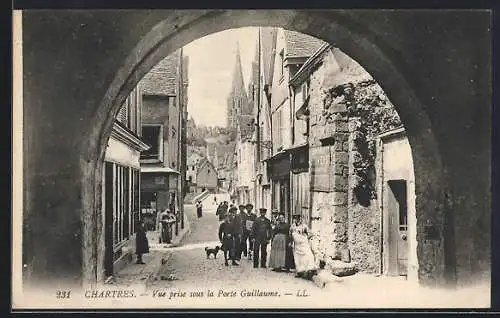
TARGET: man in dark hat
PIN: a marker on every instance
(261, 234)
(227, 232)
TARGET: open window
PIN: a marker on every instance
(153, 136)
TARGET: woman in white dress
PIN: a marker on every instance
(302, 252)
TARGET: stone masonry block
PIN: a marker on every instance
(340, 233)
(339, 183)
(341, 136)
(339, 169)
(339, 197)
(345, 146)
(341, 158)
(341, 126)
(338, 108)
(338, 146)
(340, 215)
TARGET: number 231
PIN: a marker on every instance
(63, 294)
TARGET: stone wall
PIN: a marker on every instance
(364, 230)
(328, 170)
(347, 109)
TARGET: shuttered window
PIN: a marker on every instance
(122, 116)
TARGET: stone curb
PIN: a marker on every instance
(175, 242)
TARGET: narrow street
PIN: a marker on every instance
(245, 287)
(192, 271)
(186, 277)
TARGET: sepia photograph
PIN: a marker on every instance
(251, 159)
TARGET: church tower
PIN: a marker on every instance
(237, 101)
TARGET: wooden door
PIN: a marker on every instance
(397, 209)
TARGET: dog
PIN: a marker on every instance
(213, 251)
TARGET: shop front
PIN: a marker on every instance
(279, 172)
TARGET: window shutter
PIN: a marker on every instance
(123, 113)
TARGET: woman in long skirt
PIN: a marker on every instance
(278, 259)
(302, 252)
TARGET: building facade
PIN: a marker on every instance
(206, 177)
(121, 186)
(163, 166)
(245, 153)
(292, 49)
(330, 128)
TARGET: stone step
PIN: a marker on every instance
(340, 268)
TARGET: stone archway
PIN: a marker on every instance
(163, 39)
(378, 41)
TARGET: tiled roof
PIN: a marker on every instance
(301, 45)
(162, 78)
(246, 126)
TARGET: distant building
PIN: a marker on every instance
(193, 161)
(245, 152)
(206, 177)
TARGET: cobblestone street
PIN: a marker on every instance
(244, 287)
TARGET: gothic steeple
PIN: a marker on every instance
(238, 99)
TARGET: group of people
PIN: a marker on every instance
(243, 233)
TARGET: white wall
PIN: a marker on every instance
(245, 166)
(120, 153)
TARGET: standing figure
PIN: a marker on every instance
(222, 211)
(141, 242)
(302, 252)
(239, 216)
(251, 217)
(226, 237)
(199, 209)
(261, 233)
(215, 200)
(244, 231)
(166, 221)
(278, 259)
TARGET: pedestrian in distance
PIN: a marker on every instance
(222, 211)
(141, 242)
(261, 233)
(199, 209)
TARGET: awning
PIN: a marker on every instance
(159, 170)
(297, 146)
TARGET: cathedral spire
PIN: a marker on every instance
(238, 84)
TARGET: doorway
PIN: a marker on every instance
(284, 206)
(397, 227)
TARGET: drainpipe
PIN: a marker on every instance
(380, 152)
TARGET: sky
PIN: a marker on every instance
(211, 65)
